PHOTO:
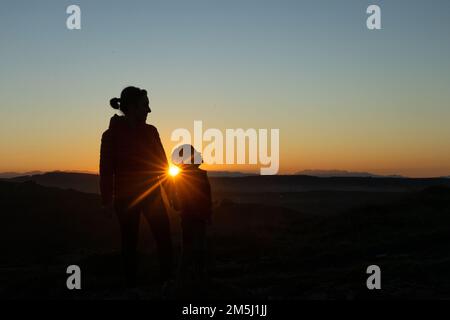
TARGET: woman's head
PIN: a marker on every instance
(133, 103)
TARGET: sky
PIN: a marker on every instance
(343, 97)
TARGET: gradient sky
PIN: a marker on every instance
(342, 96)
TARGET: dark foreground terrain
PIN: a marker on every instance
(287, 244)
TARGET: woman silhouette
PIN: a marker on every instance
(132, 166)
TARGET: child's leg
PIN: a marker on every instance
(187, 253)
(200, 248)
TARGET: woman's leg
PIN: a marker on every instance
(129, 227)
(158, 219)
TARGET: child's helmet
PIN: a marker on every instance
(186, 154)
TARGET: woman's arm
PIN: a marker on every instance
(160, 153)
(166, 181)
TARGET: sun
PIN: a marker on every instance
(174, 170)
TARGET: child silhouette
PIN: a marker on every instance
(193, 200)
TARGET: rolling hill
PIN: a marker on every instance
(257, 250)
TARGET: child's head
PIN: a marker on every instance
(185, 156)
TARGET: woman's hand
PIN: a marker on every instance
(173, 201)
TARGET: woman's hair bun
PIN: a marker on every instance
(115, 103)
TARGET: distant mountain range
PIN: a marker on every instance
(343, 173)
(231, 174)
(221, 174)
(9, 175)
(85, 182)
(316, 173)
(236, 182)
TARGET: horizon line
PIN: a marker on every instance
(322, 173)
